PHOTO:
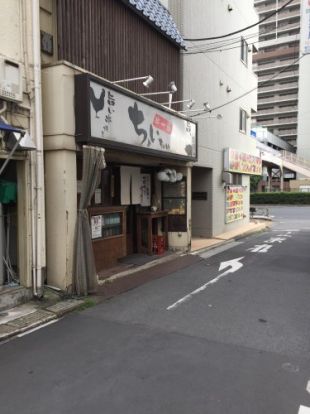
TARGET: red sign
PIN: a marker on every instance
(162, 123)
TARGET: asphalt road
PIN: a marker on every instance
(202, 340)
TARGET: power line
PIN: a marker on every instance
(221, 45)
(240, 30)
(251, 90)
(205, 48)
(222, 42)
(217, 49)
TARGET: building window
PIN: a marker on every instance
(237, 179)
(242, 120)
(244, 51)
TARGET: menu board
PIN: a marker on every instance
(234, 204)
(96, 227)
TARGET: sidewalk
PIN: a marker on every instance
(123, 281)
(35, 314)
(253, 227)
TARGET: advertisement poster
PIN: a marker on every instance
(234, 204)
(96, 227)
(241, 162)
(145, 190)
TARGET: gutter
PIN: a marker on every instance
(38, 200)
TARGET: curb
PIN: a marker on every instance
(133, 273)
(146, 266)
(37, 318)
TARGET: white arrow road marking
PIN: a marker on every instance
(260, 248)
(308, 387)
(303, 410)
(275, 239)
(234, 266)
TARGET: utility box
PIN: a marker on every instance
(11, 88)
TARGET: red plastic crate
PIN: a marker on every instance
(159, 244)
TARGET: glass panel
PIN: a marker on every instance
(174, 189)
(175, 205)
(111, 225)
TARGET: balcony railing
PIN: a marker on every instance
(277, 64)
(286, 27)
(295, 14)
(279, 122)
(275, 99)
(272, 7)
(273, 88)
(275, 111)
(289, 75)
(287, 132)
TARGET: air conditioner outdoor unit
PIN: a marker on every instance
(227, 178)
(11, 87)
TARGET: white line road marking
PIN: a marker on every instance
(235, 265)
(289, 230)
(37, 328)
(304, 410)
(308, 387)
(260, 248)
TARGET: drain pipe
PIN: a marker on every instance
(39, 210)
(4, 108)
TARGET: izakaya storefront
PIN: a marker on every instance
(142, 204)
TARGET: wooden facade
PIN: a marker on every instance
(107, 38)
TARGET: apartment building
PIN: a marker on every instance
(277, 67)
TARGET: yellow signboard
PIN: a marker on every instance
(234, 204)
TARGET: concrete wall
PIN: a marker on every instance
(206, 77)
(295, 184)
(60, 172)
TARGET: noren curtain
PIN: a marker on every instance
(84, 277)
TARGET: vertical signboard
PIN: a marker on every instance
(234, 204)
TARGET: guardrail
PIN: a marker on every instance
(294, 159)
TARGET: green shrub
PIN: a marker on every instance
(280, 198)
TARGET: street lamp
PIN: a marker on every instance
(206, 108)
(191, 103)
(171, 90)
(148, 80)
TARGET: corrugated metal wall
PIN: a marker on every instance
(107, 38)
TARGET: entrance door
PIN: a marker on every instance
(201, 202)
(131, 229)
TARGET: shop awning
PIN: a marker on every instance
(9, 128)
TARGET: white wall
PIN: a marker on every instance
(206, 77)
(303, 128)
